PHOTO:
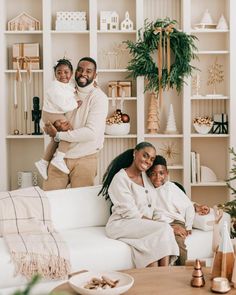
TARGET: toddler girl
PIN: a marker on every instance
(59, 105)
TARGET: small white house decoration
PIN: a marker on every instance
(126, 24)
(71, 21)
(109, 21)
(23, 22)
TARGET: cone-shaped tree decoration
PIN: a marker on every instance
(224, 257)
(153, 120)
(171, 125)
(197, 275)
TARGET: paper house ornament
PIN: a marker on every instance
(126, 24)
(109, 20)
(71, 21)
(23, 22)
(222, 24)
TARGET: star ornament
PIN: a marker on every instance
(169, 150)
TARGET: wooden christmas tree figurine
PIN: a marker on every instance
(171, 125)
(197, 275)
(215, 75)
(153, 120)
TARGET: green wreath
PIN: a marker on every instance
(182, 52)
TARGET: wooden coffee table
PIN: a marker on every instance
(160, 281)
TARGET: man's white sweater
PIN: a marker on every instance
(87, 136)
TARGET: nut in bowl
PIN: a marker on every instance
(101, 283)
(203, 125)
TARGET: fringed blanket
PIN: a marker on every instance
(26, 226)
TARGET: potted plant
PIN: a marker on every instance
(230, 207)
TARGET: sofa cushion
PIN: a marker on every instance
(205, 222)
(91, 249)
(78, 207)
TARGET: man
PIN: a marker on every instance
(87, 136)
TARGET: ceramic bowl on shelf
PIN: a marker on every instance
(117, 129)
(203, 129)
(80, 283)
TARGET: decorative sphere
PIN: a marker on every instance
(125, 118)
(16, 132)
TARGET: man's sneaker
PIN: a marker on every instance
(60, 164)
(42, 167)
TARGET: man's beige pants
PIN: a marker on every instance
(82, 173)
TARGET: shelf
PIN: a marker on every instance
(23, 71)
(209, 135)
(23, 32)
(116, 32)
(121, 136)
(122, 98)
(54, 32)
(175, 167)
(207, 31)
(206, 52)
(112, 70)
(25, 136)
(218, 183)
(163, 135)
(206, 97)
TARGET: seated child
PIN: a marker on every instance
(173, 205)
(59, 104)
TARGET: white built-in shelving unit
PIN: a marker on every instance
(19, 152)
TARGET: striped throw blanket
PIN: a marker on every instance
(26, 226)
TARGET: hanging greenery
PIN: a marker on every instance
(174, 50)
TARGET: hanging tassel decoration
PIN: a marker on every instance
(168, 30)
(158, 30)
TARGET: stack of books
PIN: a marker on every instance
(195, 167)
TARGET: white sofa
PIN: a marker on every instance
(80, 216)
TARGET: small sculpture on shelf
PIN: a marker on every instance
(36, 116)
(71, 21)
(153, 120)
(169, 151)
(109, 21)
(126, 24)
(23, 22)
(171, 124)
(196, 84)
(222, 24)
(197, 275)
(215, 76)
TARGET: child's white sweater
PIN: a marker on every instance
(173, 204)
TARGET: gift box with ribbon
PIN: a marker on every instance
(220, 125)
(119, 88)
(25, 56)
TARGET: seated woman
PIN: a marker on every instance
(133, 196)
